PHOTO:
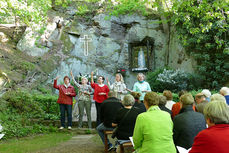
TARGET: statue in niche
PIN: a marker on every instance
(141, 62)
(141, 59)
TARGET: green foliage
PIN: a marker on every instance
(24, 11)
(174, 80)
(151, 78)
(16, 125)
(21, 107)
(63, 3)
(124, 7)
(23, 103)
(203, 28)
(34, 143)
(82, 10)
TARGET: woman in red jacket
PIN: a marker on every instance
(214, 139)
(66, 92)
(100, 94)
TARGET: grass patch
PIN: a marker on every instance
(35, 143)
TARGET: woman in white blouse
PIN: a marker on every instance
(118, 86)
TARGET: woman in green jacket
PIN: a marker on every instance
(153, 132)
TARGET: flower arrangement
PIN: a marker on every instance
(122, 71)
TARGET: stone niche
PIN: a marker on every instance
(142, 62)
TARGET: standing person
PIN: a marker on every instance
(118, 86)
(66, 93)
(141, 86)
(100, 94)
(153, 131)
(84, 98)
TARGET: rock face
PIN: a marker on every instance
(107, 47)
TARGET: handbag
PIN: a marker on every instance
(115, 130)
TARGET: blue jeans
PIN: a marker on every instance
(100, 130)
(63, 109)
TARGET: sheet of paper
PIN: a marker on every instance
(132, 141)
(183, 150)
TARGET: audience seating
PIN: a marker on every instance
(125, 144)
(106, 133)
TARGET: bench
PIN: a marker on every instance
(106, 133)
(125, 145)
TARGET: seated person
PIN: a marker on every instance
(199, 98)
(125, 118)
(109, 109)
(225, 92)
(218, 97)
(153, 132)
(188, 123)
(138, 103)
(176, 107)
(200, 106)
(169, 98)
(215, 138)
(207, 94)
(162, 102)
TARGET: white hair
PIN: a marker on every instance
(224, 91)
(217, 111)
(218, 97)
(206, 93)
(140, 74)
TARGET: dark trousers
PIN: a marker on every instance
(98, 109)
(63, 109)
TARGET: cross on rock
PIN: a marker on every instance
(85, 40)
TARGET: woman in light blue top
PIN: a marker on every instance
(141, 86)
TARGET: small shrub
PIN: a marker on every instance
(174, 80)
(23, 103)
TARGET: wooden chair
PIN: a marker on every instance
(125, 145)
(106, 133)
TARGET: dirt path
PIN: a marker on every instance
(78, 144)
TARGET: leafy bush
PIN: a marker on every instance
(128, 7)
(21, 106)
(203, 29)
(23, 103)
(174, 80)
(16, 125)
